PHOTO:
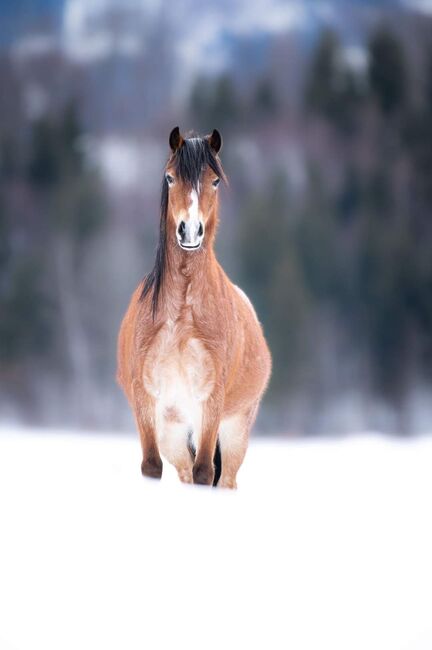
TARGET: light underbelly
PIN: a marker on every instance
(176, 395)
(180, 380)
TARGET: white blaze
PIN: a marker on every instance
(192, 224)
(193, 209)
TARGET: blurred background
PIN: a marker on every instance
(326, 113)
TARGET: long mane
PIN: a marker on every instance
(189, 160)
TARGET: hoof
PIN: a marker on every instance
(203, 474)
(152, 468)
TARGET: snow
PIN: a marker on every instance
(326, 544)
(125, 162)
(423, 6)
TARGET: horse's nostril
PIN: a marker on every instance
(200, 230)
(182, 229)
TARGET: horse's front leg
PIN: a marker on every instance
(144, 410)
(203, 469)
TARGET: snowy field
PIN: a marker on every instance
(326, 544)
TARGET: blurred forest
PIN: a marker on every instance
(326, 224)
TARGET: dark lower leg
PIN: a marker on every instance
(151, 465)
(203, 470)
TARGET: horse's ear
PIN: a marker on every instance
(175, 139)
(215, 141)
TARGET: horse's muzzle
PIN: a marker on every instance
(190, 235)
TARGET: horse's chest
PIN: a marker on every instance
(178, 368)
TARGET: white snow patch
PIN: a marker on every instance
(34, 45)
(423, 6)
(356, 57)
(326, 544)
(92, 31)
(126, 163)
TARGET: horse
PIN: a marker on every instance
(192, 357)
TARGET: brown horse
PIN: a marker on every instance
(192, 358)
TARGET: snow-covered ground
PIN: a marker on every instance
(326, 544)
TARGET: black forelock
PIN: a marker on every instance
(191, 159)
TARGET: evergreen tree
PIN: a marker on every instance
(271, 275)
(42, 285)
(332, 88)
(215, 101)
(387, 71)
(265, 103)
(322, 83)
(44, 160)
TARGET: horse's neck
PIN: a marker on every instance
(187, 276)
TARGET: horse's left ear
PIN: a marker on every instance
(175, 139)
(215, 141)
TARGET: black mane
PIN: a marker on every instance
(189, 161)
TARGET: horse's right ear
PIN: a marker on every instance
(175, 139)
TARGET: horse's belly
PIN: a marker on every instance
(178, 414)
(180, 380)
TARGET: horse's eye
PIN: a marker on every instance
(216, 182)
(170, 179)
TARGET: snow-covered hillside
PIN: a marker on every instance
(326, 544)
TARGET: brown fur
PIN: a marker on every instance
(204, 339)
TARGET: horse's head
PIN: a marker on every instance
(192, 177)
